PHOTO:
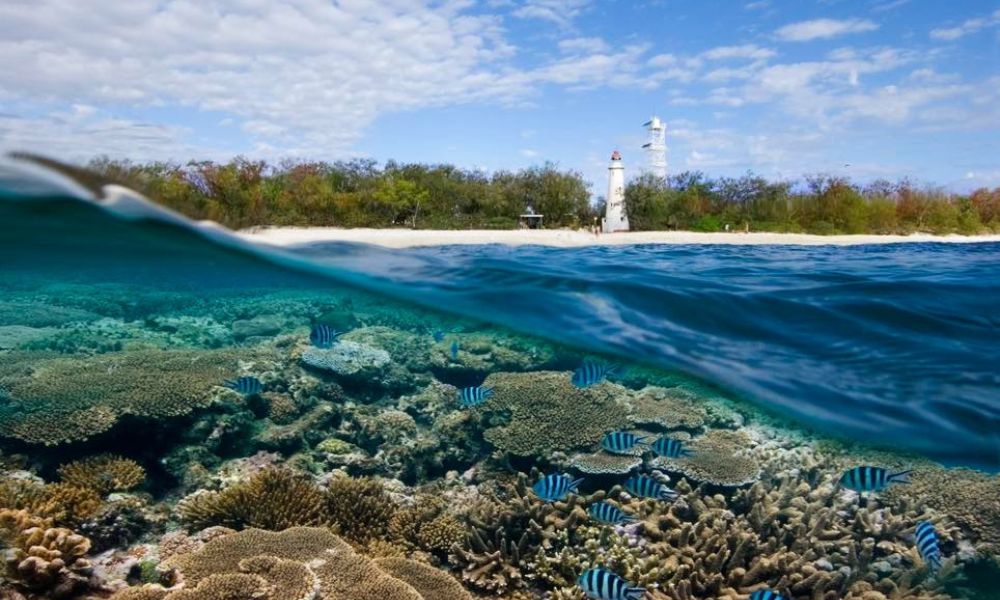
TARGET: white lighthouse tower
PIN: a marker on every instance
(656, 147)
(615, 218)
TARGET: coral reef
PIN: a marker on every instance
(103, 473)
(360, 507)
(431, 583)
(604, 463)
(54, 401)
(347, 358)
(668, 408)
(43, 558)
(718, 458)
(548, 413)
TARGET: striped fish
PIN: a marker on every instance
(766, 595)
(246, 385)
(454, 351)
(324, 336)
(621, 442)
(474, 396)
(554, 487)
(645, 486)
(871, 479)
(669, 447)
(591, 372)
(608, 513)
(602, 584)
(927, 545)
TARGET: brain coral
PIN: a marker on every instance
(60, 400)
(548, 413)
(715, 458)
(283, 560)
(104, 473)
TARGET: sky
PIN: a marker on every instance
(784, 88)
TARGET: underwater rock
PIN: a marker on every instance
(548, 413)
(55, 401)
(300, 432)
(117, 523)
(347, 358)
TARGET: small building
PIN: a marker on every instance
(530, 219)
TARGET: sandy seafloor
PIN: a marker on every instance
(404, 238)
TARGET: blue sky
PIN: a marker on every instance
(866, 88)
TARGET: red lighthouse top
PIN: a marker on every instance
(616, 155)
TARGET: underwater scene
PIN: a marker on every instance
(185, 416)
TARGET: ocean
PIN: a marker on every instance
(173, 379)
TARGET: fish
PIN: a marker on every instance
(246, 385)
(645, 486)
(555, 487)
(621, 442)
(591, 372)
(324, 336)
(454, 351)
(608, 513)
(871, 479)
(766, 595)
(669, 447)
(602, 584)
(474, 396)
(927, 545)
(438, 335)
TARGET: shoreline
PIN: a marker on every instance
(565, 238)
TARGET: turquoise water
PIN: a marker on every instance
(779, 366)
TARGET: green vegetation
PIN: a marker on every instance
(360, 193)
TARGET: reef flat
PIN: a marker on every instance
(169, 444)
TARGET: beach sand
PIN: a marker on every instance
(405, 238)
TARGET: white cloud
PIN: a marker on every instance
(757, 5)
(529, 153)
(748, 51)
(560, 12)
(889, 5)
(583, 45)
(970, 26)
(804, 31)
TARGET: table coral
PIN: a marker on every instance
(718, 458)
(670, 408)
(431, 583)
(603, 463)
(548, 413)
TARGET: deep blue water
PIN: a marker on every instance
(894, 344)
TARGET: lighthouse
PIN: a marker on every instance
(615, 218)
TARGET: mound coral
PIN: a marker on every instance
(273, 499)
(717, 458)
(59, 400)
(103, 473)
(548, 413)
(41, 557)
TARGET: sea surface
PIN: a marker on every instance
(699, 421)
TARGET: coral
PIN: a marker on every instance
(431, 583)
(272, 499)
(389, 426)
(335, 446)
(228, 586)
(60, 400)
(604, 463)
(360, 507)
(970, 499)
(548, 413)
(41, 557)
(103, 473)
(347, 358)
(674, 408)
(717, 458)
(281, 408)
(441, 533)
(116, 524)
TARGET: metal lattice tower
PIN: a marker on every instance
(656, 147)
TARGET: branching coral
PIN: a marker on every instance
(360, 507)
(63, 503)
(272, 499)
(547, 412)
(60, 400)
(104, 473)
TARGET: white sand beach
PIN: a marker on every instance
(405, 238)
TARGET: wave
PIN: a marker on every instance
(889, 344)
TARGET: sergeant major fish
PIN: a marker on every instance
(324, 336)
(474, 396)
(669, 447)
(592, 372)
(766, 595)
(246, 385)
(621, 442)
(927, 545)
(602, 584)
(871, 479)
(645, 486)
(608, 513)
(555, 487)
